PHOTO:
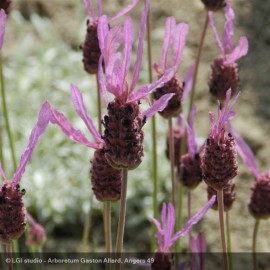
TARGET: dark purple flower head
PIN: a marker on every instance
(225, 69)
(165, 229)
(12, 210)
(123, 134)
(219, 160)
(174, 42)
(214, 5)
(5, 5)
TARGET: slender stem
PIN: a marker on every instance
(122, 215)
(222, 227)
(87, 226)
(5, 111)
(254, 242)
(9, 256)
(189, 208)
(154, 137)
(1, 148)
(228, 232)
(171, 149)
(107, 218)
(197, 63)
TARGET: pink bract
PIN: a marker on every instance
(165, 230)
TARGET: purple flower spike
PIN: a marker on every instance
(38, 130)
(61, 121)
(3, 20)
(226, 45)
(198, 248)
(165, 230)
(11, 197)
(225, 73)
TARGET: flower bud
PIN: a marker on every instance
(90, 49)
(190, 172)
(12, 213)
(214, 5)
(259, 205)
(219, 161)
(123, 135)
(177, 135)
(106, 181)
(223, 77)
(174, 106)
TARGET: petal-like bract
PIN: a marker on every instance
(80, 108)
(38, 130)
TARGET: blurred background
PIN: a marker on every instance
(42, 58)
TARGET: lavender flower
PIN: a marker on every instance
(90, 47)
(219, 160)
(225, 69)
(106, 181)
(12, 210)
(165, 231)
(259, 205)
(174, 40)
(123, 134)
(190, 173)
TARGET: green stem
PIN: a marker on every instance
(9, 256)
(222, 227)
(122, 216)
(254, 242)
(228, 232)
(154, 137)
(87, 226)
(1, 148)
(171, 152)
(5, 111)
(197, 63)
(107, 225)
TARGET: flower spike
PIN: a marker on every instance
(225, 73)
